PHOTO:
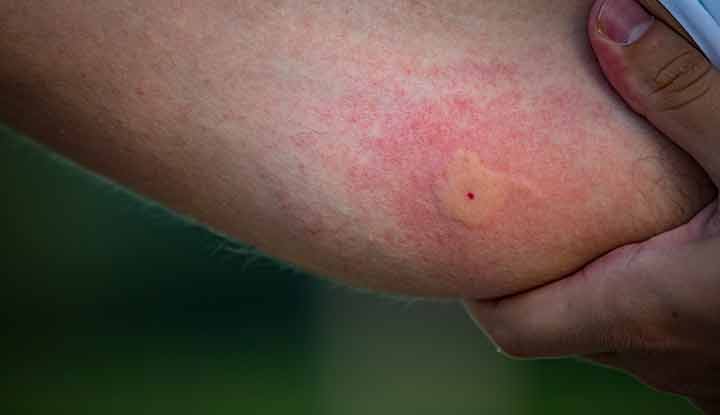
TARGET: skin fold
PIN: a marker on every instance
(440, 148)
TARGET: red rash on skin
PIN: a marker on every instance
(413, 147)
(392, 135)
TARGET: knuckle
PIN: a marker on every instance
(683, 80)
(650, 338)
(641, 323)
(654, 342)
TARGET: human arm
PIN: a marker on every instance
(462, 148)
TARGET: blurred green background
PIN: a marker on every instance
(110, 304)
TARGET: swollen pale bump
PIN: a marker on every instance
(470, 192)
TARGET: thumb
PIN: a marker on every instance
(661, 75)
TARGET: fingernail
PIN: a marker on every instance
(623, 21)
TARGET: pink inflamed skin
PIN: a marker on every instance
(482, 173)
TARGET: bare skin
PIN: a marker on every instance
(651, 308)
(463, 148)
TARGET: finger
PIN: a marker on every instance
(628, 300)
(570, 316)
(661, 75)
